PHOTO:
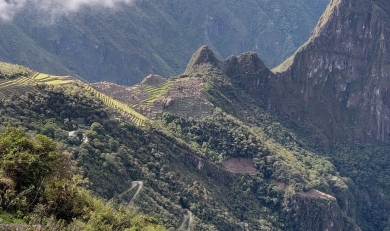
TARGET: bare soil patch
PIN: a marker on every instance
(315, 194)
(240, 165)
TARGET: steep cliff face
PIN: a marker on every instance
(245, 81)
(339, 79)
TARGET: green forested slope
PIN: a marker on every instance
(243, 86)
(41, 190)
(124, 45)
(180, 160)
(302, 180)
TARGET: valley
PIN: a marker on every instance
(125, 44)
(158, 153)
(224, 144)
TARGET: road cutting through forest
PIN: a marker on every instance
(140, 184)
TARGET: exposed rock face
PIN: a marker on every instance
(339, 80)
(340, 77)
(330, 217)
(247, 71)
(156, 36)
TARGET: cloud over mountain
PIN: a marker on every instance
(8, 8)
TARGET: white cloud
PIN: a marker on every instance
(8, 8)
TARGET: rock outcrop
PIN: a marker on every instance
(338, 80)
(340, 77)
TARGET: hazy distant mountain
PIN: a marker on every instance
(125, 44)
(228, 144)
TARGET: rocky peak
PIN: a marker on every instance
(246, 63)
(340, 77)
(204, 55)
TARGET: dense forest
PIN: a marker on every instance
(180, 162)
(67, 155)
(41, 185)
(227, 145)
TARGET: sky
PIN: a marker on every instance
(8, 8)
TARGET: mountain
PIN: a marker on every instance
(153, 37)
(238, 164)
(333, 91)
(221, 170)
(231, 144)
(340, 76)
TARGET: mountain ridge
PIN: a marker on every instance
(124, 45)
(303, 148)
(357, 66)
(334, 78)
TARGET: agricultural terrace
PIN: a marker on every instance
(155, 94)
(26, 81)
(11, 71)
(52, 79)
(24, 84)
(125, 110)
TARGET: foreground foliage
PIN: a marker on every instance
(179, 161)
(165, 156)
(39, 184)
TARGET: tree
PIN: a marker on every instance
(26, 161)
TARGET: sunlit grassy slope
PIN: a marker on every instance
(23, 84)
(9, 71)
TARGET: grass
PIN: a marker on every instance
(59, 82)
(9, 219)
(22, 84)
(41, 76)
(156, 92)
(52, 79)
(10, 71)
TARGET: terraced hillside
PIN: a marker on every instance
(52, 79)
(155, 95)
(10, 71)
(27, 83)
(127, 111)
(10, 87)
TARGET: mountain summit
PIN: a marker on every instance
(340, 77)
(125, 44)
(202, 56)
(337, 81)
(231, 144)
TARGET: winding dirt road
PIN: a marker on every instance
(187, 217)
(134, 184)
